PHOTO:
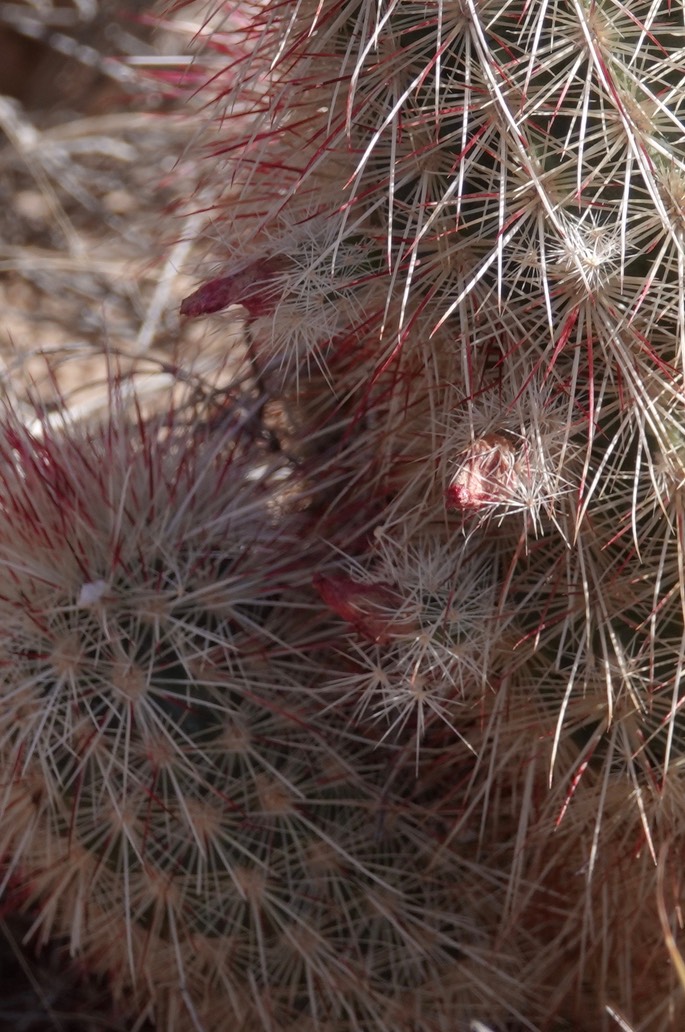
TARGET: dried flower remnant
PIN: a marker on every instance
(253, 288)
(375, 610)
(487, 476)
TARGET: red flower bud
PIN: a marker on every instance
(253, 288)
(486, 476)
(375, 610)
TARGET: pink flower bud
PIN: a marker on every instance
(375, 610)
(253, 288)
(486, 476)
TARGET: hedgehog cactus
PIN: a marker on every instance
(475, 214)
(184, 795)
(378, 727)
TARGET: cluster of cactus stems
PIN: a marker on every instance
(357, 707)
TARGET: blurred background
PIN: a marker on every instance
(99, 128)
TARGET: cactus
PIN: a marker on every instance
(183, 795)
(361, 711)
(496, 191)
